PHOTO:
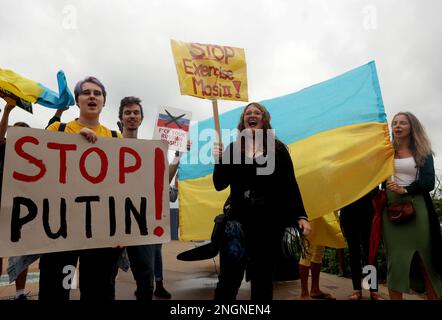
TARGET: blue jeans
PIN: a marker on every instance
(18, 264)
(142, 265)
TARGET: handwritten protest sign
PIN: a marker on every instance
(211, 71)
(172, 125)
(62, 193)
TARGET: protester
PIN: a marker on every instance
(413, 247)
(145, 260)
(325, 232)
(20, 281)
(97, 266)
(356, 220)
(265, 199)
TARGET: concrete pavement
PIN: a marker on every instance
(196, 281)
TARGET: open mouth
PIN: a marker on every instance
(252, 123)
(92, 104)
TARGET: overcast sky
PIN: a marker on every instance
(289, 45)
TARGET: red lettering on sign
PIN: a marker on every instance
(123, 168)
(63, 149)
(159, 187)
(200, 51)
(104, 165)
(187, 68)
(37, 162)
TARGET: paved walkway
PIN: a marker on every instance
(196, 281)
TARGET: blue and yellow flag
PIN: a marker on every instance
(338, 139)
(15, 85)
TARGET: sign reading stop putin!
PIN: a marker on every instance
(62, 193)
(211, 71)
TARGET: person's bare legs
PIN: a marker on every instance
(316, 271)
(20, 282)
(303, 274)
(315, 291)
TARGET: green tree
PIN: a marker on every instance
(438, 207)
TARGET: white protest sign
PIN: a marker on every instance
(62, 193)
(172, 125)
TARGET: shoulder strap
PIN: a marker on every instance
(114, 134)
(62, 127)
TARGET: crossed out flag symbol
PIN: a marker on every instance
(171, 121)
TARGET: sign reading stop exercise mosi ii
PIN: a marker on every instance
(62, 193)
(211, 71)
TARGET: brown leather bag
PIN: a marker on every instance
(401, 212)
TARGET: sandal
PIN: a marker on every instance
(375, 296)
(356, 295)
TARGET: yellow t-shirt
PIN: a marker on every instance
(75, 127)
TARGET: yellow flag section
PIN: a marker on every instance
(331, 166)
(326, 231)
(199, 204)
(19, 86)
(211, 71)
(338, 138)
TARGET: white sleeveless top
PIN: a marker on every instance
(405, 171)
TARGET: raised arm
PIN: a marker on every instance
(10, 104)
(173, 166)
(56, 117)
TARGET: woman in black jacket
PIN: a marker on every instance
(265, 199)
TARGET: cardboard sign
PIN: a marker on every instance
(211, 71)
(172, 125)
(62, 193)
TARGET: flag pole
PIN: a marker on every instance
(216, 119)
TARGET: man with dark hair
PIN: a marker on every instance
(145, 260)
(141, 257)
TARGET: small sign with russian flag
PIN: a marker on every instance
(172, 125)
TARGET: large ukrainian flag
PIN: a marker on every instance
(338, 139)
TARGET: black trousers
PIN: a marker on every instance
(97, 274)
(356, 220)
(142, 265)
(258, 264)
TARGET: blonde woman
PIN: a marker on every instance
(413, 247)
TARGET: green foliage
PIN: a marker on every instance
(337, 261)
(438, 207)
